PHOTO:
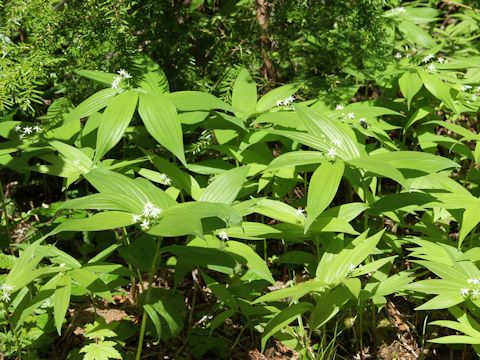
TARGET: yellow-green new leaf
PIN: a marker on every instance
(160, 118)
(271, 98)
(322, 189)
(114, 122)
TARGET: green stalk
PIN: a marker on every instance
(147, 300)
(4, 210)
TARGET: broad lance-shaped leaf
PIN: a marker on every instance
(95, 75)
(160, 118)
(226, 186)
(102, 221)
(114, 122)
(322, 189)
(61, 300)
(283, 318)
(410, 84)
(244, 94)
(336, 135)
(415, 160)
(378, 167)
(93, 103)
(471, 218)
(296, 158)
(438, 88)
(197, 100)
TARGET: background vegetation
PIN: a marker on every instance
(239, 179)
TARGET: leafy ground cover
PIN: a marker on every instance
(258, 221)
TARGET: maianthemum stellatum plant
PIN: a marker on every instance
(293, 212)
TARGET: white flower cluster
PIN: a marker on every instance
(27, 130)
(286, 102)
(398, 10)
(164, 179)
(466, 88)
(469, 291)
(117, 80)
(150, 213)
(6, 291)
(431, 67)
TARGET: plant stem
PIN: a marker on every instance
(4, 210)
(147, 300)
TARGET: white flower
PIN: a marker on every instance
(21, 136)
(165, 180)
(332, 152)
(339, 107)
(428, 58)
(474, 97)
(27, 130)
(5, 296)
(145, 225)
(351, 115)
(6, 288)
(351, 267)
(466, 87)
(464, 292)
(475, 293)
(286, 101)
(478, 88)
(473, 281)
(116, 82)
(76, 163)
(398, 55)
(431, 68)
(336, 142)
(441, 60)
(136, 218)
(300, 212)
(223, 235)
(62, 265)
(124, 74)
(18, 128)
(37, 128)
(150, 210)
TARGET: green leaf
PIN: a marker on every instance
(322, 189)
(295, 292)
(271, 98)
(438, 88)
(103, 350)
(471, 218)
(244, 254)
(153, 79)
(282, 319)
(296, 158)
(93, 103)
(99, 76)
(161, 121)
(118, 202)
(378, 167)
(91, 282)
(335, 135)
(456, 339)
(226, 186)
(61, 300)
(410, 84)
(102, 221)
(153, 315)
(114, 122)
(197, 100)
(415, 160)
(244, 94)
(330, 303)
